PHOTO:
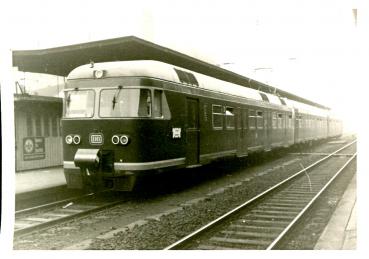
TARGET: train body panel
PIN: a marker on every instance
(122, 119)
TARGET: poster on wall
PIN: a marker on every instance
(33, 148)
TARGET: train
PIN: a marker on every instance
(124, 119)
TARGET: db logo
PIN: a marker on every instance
(96, 139)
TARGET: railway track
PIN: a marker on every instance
(263, 221)
(47, 215)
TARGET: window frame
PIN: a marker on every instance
(259, 118)
(228, 117)
(80, 90)
(280, 120)
(127, 117)
(221, 113)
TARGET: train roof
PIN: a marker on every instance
(168, 72)
(62, 60)
(305, 108)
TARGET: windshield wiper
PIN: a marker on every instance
(116, 95)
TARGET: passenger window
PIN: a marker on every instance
(245, 119)
(229, 118)
(217, 116)
(280, 120)
(252, 119)
(239, 118)
(290, 121)
(274, 120)
(259, 118)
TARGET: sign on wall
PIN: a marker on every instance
(33, 148)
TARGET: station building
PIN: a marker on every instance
(38, 141)
(37, 114)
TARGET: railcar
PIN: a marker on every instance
(123, 119)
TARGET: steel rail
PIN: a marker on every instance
(295, 220)
(252, 200)
(52, 222)
(52, 204)
(67, 217)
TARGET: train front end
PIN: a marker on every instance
(112, 127)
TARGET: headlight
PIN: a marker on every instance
(115, 140)
(69, 139)
(76, 139)
(99, 73)
(124, 140)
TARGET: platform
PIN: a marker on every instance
(340, 233)
(39, 179)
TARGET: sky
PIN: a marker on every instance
(305, 47)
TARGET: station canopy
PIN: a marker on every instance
(61, 60)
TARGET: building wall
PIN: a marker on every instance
(38, 141)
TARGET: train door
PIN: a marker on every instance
(192, 132)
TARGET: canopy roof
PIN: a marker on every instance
(62, 60)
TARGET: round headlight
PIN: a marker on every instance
(99, 73)
(124, 140)
(76, 139)
(115, 140)
(69, 139)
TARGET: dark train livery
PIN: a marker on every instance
(124, 118)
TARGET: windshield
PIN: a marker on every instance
(79, 103)
(125, 103)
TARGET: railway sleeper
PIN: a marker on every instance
(298, 193)
(289, 200)
(292, 199)
(244, 234)
(239, 243)
(259, 229)
(274, 212)
(269, 217)
(212, 247)
(278, 208)
(282, 204)
(259, 222)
